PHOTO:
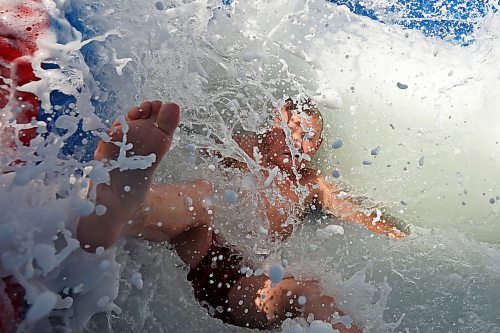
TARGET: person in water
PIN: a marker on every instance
(158, 212)
(299, 185)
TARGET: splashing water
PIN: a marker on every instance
(421, 112)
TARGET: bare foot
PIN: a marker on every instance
(151, 128)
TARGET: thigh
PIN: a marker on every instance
(193, 245)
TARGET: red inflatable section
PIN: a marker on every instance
(22, 23)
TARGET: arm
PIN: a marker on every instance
(258, 303)
(348, 210)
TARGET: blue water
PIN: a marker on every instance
(456, 24)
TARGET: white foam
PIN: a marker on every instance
(227, 67)
(42, 306)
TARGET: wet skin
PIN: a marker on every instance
(293, 160)
(158, 211)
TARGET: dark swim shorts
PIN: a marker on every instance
(213, 278)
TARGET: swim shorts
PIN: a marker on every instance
(213, 278)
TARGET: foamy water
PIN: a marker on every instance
(417, 116)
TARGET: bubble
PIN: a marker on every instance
(105, 264)
(136, 280)
(85, 208)
(191, 148)
(276, 273)
(302, 300)
(100, 210)
(160, 5)
(126, 188)
(338, 143)
(336, 173)
(230, 196)
(188, 202)
(492, 200)
(249, 272)
(375, 151)
(402, 85)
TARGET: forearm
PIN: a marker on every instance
(376, 222)
(350, 210)
(257, 302)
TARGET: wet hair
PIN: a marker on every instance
(307, 106)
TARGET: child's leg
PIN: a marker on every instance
(151, 128)
(171, 209)
(192, 246)
(256, 303)
(180, 214)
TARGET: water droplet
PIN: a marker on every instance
(336, 173)
(338, 143)
(402, 85)
(160, 5)
(230, 196)
(276, 273)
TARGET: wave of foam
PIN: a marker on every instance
(430, 106)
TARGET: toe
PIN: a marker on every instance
(133, 113)
(155, 107)
(145, 110)
(168, 118)
(115, 133)
(116, 123)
